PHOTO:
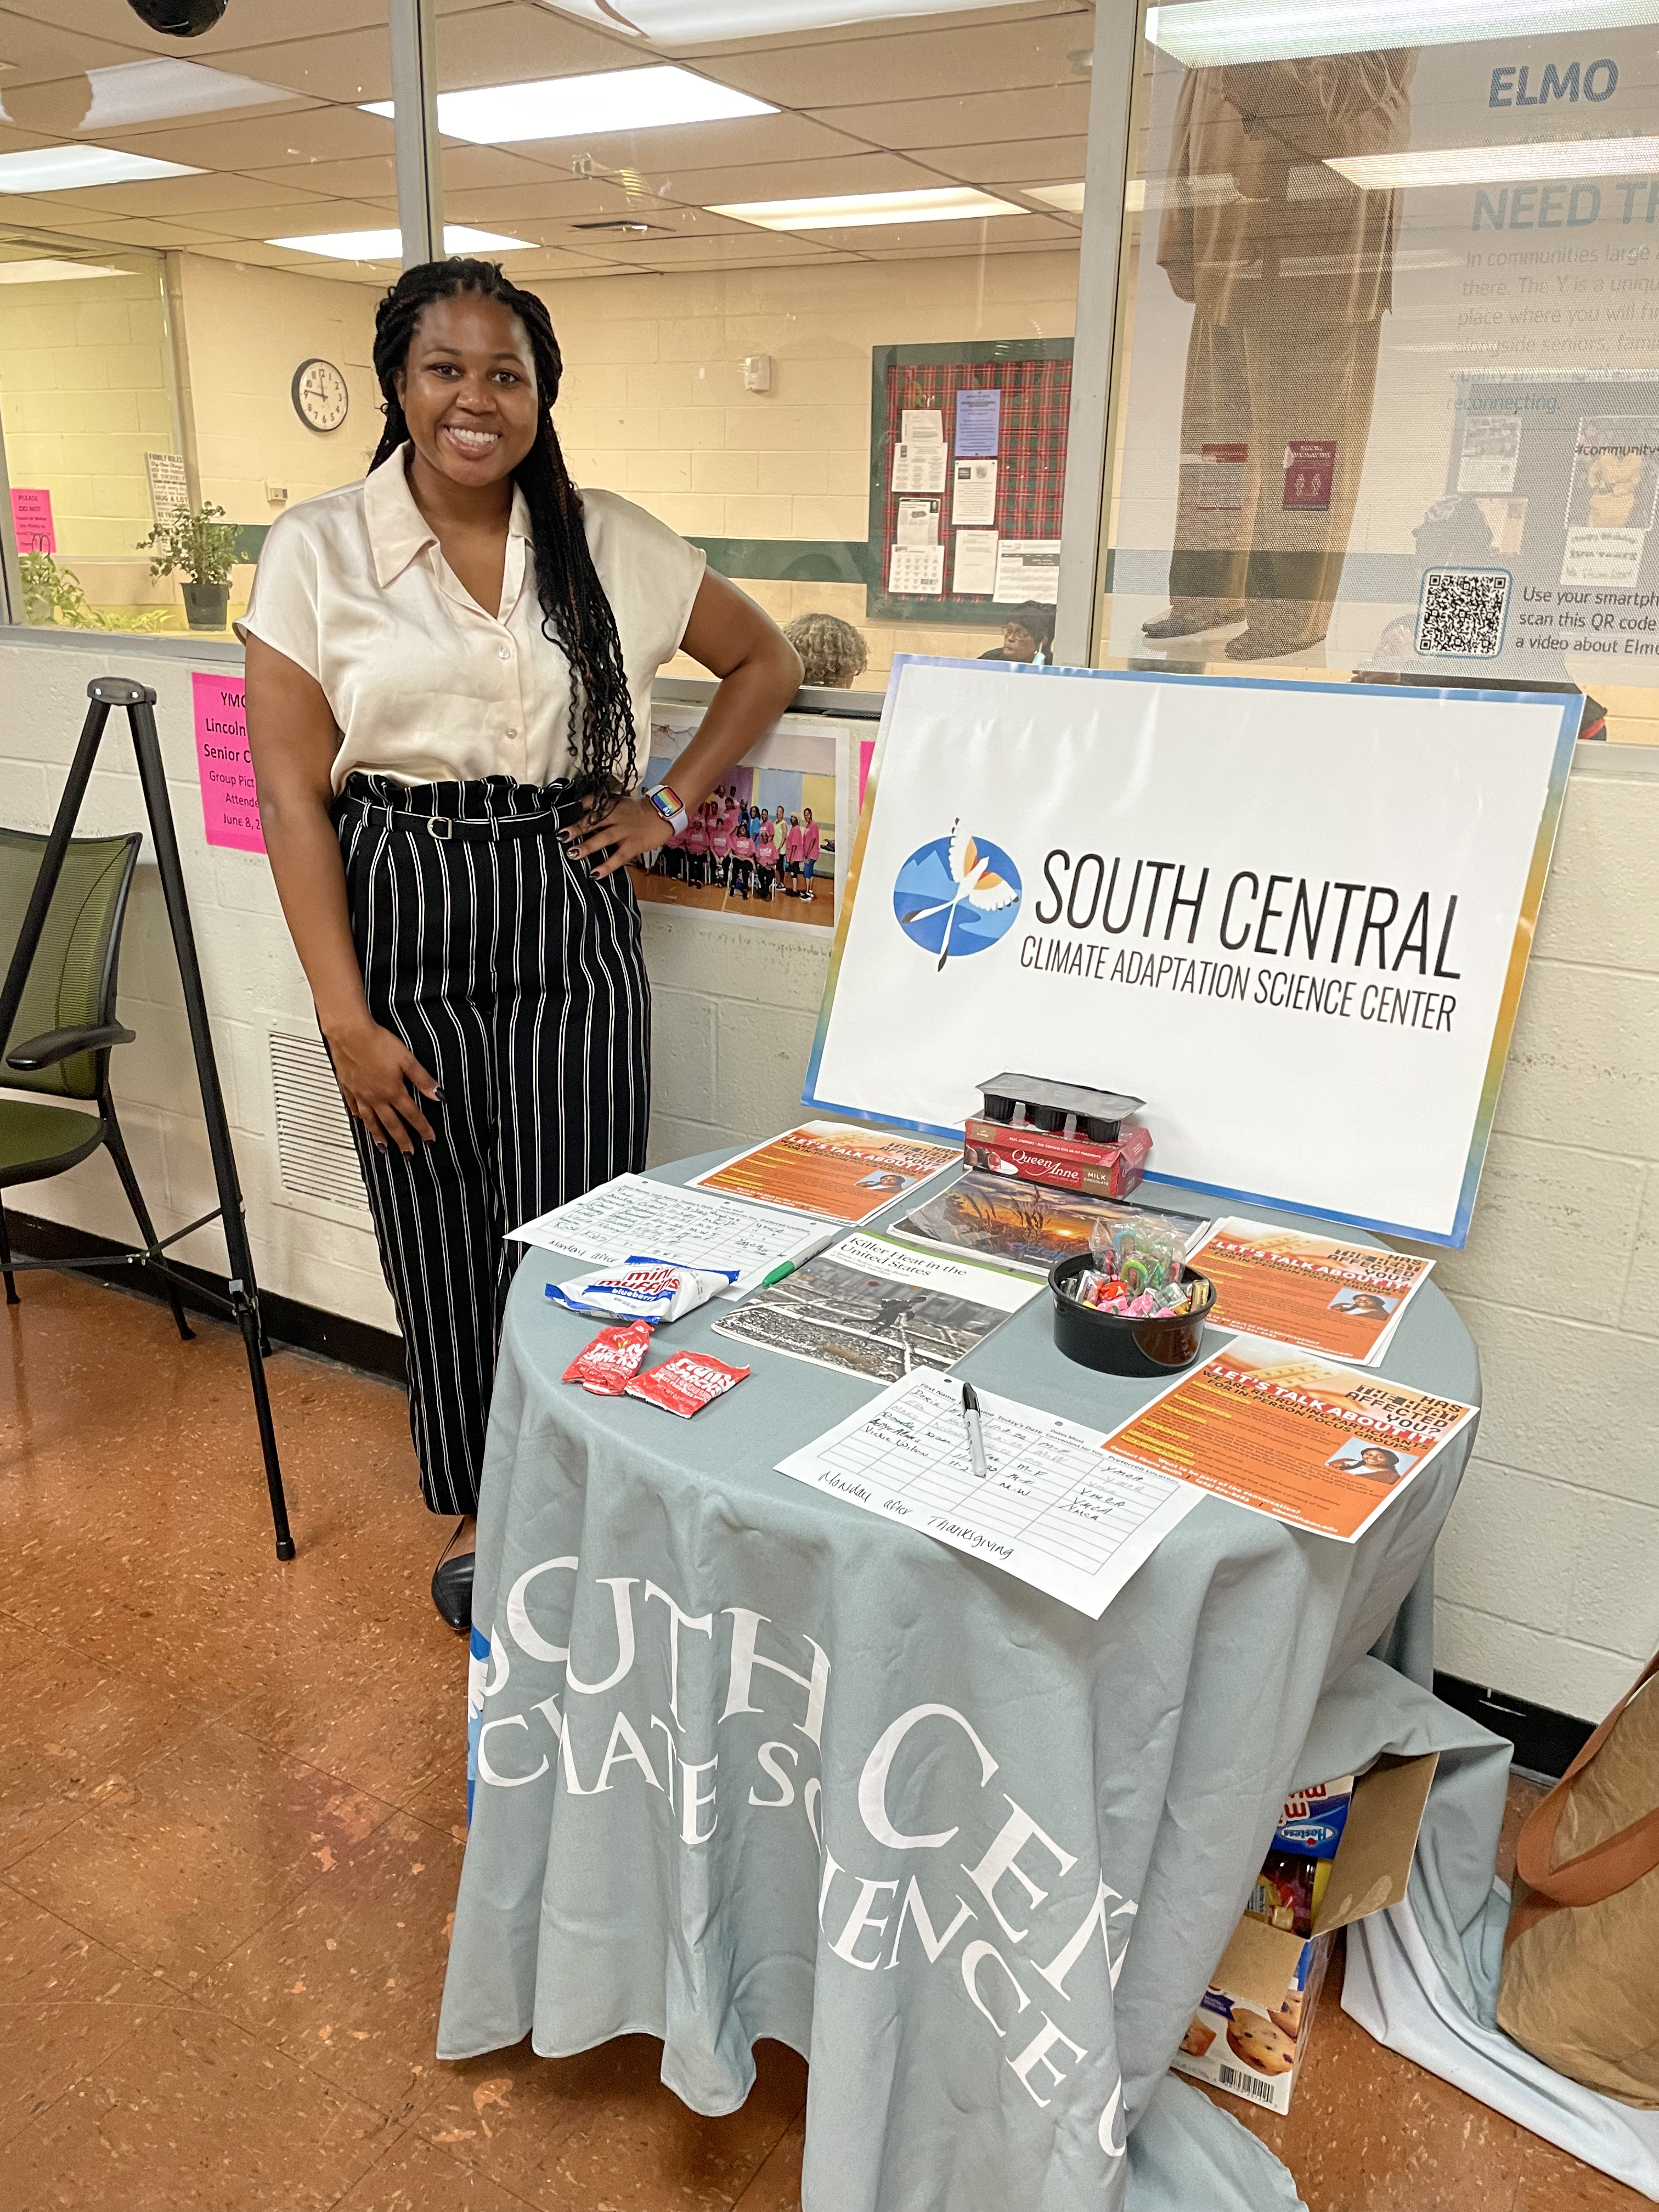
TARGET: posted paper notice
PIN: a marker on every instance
(1321, 1293)
(1028, 570)
(1053, 1509)
(1321, 1447)
(917, 572)
(973, 493)
(979, 422)
(918, 467)
(974, 566)
(918, 522)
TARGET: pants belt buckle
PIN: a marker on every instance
(437, 825)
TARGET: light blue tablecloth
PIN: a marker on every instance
(754, 1763)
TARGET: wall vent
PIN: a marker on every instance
(316, 1160)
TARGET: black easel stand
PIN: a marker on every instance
(242, 1304)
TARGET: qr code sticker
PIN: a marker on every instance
(1462, 612)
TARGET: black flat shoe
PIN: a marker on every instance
(452, 1590)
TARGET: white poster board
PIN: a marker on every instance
(1293, 916)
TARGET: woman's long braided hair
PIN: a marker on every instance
(576, 616)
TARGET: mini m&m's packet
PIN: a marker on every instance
(607, 1365)
(685, 1383)
(653, 1291)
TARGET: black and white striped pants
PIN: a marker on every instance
(517, 980)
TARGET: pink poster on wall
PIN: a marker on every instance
(31, 518)
(230, 803)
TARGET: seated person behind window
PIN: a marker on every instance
(831, 651)
(1028, 635)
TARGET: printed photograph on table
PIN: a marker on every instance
(839, 1172)
(764, 847)
(1318, 1447)
(878, 1310)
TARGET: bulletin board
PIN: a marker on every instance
(1032, 379)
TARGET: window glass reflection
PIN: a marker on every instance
(1390, 402)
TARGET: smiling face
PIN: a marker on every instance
(468, 389)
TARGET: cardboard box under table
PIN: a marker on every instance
(1251, 2032)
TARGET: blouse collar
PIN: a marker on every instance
(397, 530)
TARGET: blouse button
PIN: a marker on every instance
(511, 732)
(503, 653)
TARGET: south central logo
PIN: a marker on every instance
(957, 896)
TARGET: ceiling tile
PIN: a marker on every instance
(831, 35)
(34, 51)
(921, 240)
(964, 59)
(465, 167)
(262, 142)
(516, 42)
(498, 206)
(347, 65)
(699, 145)
(188, 196)
(298, 219)
(975, 119)
(247, 23)
(791, 180)
(374, 177)
(1021, 161)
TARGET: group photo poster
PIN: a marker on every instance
(750, 853)
(1294, 917)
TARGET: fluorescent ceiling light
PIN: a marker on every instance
(689, 22)
(72, 168)
(151, 92)
(858, 211)
(388, 244)
(1210, 33)
(51, 272)
(586, 106)
(1499, 165)
(1068, 198)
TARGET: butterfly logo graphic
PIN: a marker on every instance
(957, 896)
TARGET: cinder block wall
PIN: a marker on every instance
(1546, 1579)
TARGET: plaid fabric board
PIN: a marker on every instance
(1036, 398)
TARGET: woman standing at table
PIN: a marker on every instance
(448, 665)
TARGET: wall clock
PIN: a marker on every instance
(319, 395)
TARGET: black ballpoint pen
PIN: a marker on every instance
(976, 1434)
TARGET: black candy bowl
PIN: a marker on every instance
(1126, 1344)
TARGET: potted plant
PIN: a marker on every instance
(201, 545)
(54, 595)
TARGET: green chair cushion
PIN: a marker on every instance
(43, 1140)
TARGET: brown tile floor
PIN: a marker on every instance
(231, 1799)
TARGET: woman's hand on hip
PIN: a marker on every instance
(616, 831)
(377, 1073)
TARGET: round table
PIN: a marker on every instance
(753, 1762)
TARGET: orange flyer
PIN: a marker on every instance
(1317, 1447)
(832, 1168)
(1318, 1293)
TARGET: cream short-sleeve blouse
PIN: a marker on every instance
(425, 686)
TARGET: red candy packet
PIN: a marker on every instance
(685, 1383)
(605, 1366)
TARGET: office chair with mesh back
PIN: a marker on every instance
(66, 1026)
